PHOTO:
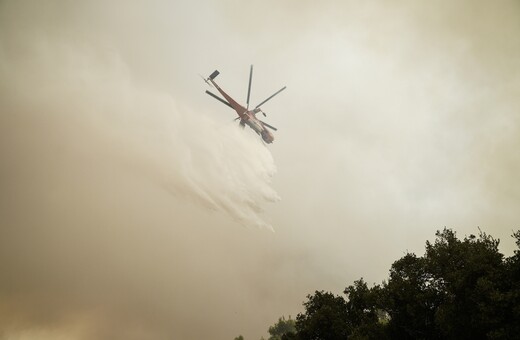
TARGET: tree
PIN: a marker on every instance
(460, 289)
(452, 292)
(325, 318)
(467, 275)
(509, 299)
(282, 327)
(411, 299)
(364, 312)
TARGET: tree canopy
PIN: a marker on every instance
(282, 327)
(459, 289)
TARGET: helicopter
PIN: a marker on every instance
(246, 116)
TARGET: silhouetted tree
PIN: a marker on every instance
(325, 318)
(411, 299)
(364, 311)
(460, 289)
(507, 301)
(282, 327)
(467, 275)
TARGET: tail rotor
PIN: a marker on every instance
(206, 80)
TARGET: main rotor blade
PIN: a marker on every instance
(219, 99)
(269, 126)
(249, 87)
(280, 90)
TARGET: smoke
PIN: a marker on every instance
(92, 110)
(125, 189)
(114, 198)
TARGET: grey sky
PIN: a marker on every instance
(132, 207)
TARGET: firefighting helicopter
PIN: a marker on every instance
(246, 116)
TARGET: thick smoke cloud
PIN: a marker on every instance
(94, 109)
(125, 189)
(107, 188)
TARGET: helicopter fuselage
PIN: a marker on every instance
(247, 117)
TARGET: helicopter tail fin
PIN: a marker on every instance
(214, 75)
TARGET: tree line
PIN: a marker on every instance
(460, 289)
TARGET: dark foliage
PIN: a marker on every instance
(460, 289)
(325, 318)
(281, 328)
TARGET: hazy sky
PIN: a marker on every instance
(132, 207)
